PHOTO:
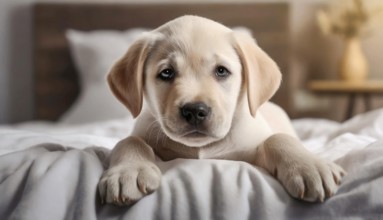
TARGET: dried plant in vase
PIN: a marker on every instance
(351, 20)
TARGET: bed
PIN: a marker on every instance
(49, 168)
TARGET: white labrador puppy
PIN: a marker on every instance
(200, 90)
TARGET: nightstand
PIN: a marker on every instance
(364, 89)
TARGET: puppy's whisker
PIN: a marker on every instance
(150, 129)
(150, 126)
(169, 122)
(161, 137)
(158, 137)
(153, 127)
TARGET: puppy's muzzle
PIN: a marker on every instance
(195, 113)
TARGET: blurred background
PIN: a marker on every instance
(313, 55)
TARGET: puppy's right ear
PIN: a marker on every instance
(126, 78)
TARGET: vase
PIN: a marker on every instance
(353, 64)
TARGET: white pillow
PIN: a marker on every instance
(94, 53)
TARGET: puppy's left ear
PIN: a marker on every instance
(261, 74)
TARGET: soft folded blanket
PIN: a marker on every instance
(52, 182)
(49, 181)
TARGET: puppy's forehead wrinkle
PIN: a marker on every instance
(191, 41)
(167, 60)
(166, 50)
(197, 60)
(227, 61)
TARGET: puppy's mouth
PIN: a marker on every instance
(195, 134)
(193, 137)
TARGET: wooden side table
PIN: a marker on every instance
(364, 89)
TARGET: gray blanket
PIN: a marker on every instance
(52, 182)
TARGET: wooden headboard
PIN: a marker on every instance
(56, 84)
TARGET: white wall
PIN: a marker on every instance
(313, 55)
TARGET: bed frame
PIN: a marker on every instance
(56, 82)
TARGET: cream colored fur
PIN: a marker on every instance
(242, 124)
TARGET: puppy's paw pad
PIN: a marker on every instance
(124, 185)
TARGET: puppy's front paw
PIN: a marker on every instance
(126, 184)
(310, 179)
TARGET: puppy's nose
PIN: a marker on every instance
(195, 113)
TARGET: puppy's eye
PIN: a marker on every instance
(222, 72)
(166, 74)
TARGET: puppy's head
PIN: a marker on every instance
(193, 72)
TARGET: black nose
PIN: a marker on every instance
(195, 113)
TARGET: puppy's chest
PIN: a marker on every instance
(169, 150)
(235, 146)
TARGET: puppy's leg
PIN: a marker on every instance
(304, 175)
(132, 173)
(277, 119)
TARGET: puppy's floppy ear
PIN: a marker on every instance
(126, 78)
(261, 74)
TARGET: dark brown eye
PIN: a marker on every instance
(166, 74)
(222, 72)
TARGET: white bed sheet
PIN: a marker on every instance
(216, 189)
(329, 139)
(25, 135)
